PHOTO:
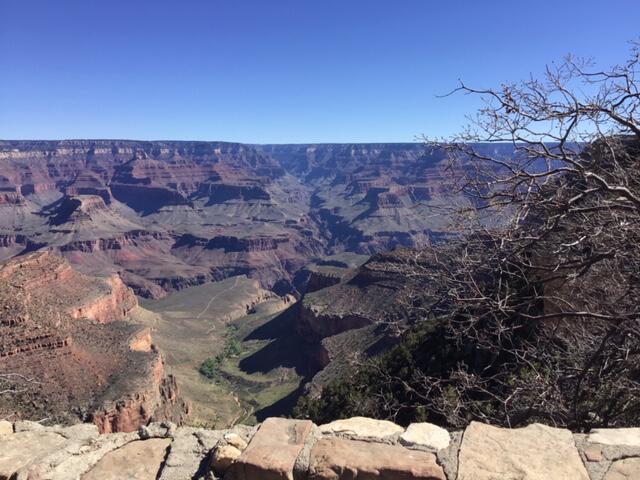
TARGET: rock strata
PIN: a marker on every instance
(80, 354)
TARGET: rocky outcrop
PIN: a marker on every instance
(114, 303)
(282, 449)
(359, 315)
(79, 356)
(167, 214)
(135, 208)
(156, 396)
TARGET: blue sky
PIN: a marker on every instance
(279, 71)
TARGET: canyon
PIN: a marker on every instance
(166, 215)
(268, 246)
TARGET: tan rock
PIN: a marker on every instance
(272, 452)
(615, 436)
(223, 457)
(6, 428)
(593, 453)
(626, 469)
(536, 452)
(363, 428)
(425, 435)
(190, 445)
(333, 458)
(235, 440)
(23, 449)
(139, 460)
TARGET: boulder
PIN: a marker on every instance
(235, 440)
(536, 452)
(24, 449)
(6, 428)
(425, 435)
(333, 458)
(223, 457)
(273, 450)
(362, 428)
(189, 447)
(615, 436)
(139, 460)
(626, 469)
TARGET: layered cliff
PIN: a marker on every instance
(349, 314)
(69, 349)
(163, 214)
(166, 215)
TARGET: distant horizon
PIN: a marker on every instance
(98, 139)
(417, 142)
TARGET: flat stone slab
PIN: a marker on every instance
(362, 427)
(6, 428)
(272, 452)
(335, 458)
(425, 435)
(23, 449)
(536, 452)
(627, 469)
(615, 436)
(138, 460)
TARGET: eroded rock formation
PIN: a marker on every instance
(69, 349)
(167, 215)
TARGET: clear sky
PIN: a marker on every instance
(279, 71)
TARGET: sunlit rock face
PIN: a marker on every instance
(166, 215)
(78, 351)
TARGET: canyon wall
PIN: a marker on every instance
(166, 215)
(70, 351)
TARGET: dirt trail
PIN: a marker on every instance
(235, 284)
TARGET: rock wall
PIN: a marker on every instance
(80, 355)
(351, 449)
(157, 398)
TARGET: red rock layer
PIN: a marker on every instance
(67, 336)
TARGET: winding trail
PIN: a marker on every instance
(235, 284)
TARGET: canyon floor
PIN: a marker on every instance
(196, 324)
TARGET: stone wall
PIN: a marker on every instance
(357, 448)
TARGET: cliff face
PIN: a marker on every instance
(360, 312)
(369, 198)
(156, 397)
(166, 215)
(70, 338)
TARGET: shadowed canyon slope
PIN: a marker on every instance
(166, 214)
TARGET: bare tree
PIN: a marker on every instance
(543, 285)
(536, 299)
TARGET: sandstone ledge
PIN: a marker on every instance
(296, 450)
